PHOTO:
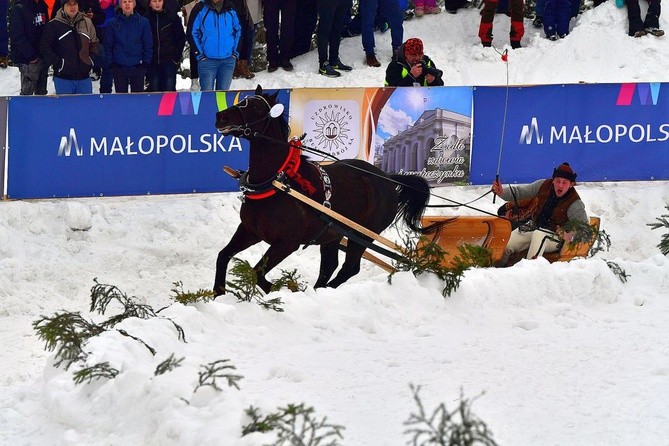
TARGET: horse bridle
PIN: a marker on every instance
(246, 126)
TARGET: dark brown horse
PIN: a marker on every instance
(353, 188)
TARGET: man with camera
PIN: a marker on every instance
(411, 67)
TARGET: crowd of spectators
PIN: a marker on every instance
(138, 45)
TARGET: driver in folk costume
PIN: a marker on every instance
(555, 203)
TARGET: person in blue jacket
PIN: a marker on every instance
(129, 48)
(215, 34)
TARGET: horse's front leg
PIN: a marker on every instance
(241, 240)
(329, 263)
(276, 253)
(351, 265)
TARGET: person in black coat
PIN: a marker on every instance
(410, 66)
(25, 31)
(169, 40)
(70, 44)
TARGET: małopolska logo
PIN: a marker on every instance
(189, 103)
(647, 94)
(333, 126)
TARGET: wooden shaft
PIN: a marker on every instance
(372, 258)
(337, 216)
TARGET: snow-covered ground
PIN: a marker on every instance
(566, 353)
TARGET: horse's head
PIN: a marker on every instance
(250, 117)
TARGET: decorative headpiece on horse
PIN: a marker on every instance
(275, 110)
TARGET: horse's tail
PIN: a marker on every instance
(413, 195)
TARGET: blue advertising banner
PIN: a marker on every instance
(607, 132)
(3, 146)
(122, 144)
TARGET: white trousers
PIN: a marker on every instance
(536, 242)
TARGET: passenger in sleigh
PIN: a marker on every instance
(550, 205)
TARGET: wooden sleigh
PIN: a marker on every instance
(493, 233)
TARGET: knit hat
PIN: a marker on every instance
(564, 171)
(64, 2)
(413, 46)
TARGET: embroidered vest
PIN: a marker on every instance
(559, 215)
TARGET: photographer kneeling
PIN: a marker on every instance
(411, 67)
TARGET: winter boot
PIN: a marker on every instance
(243, 68)
(3, 62)
(372, 61)
(655, 32)
(195, 84)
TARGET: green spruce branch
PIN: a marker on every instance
(618, 271)
(290, 280)
(66, 333)
(102, 295)
(217, 370)
(585, 233)
(423, 255)
(446, 428)
(188, 297)
(98, 371)
(295, 424)
(168, 365)
(662, 222)
(244, 286)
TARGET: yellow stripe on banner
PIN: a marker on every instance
(221, 100)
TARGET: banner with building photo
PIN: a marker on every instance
(409, 130)
(3, 146)
(122, 144)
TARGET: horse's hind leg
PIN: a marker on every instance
(241, 240)
(329, 263)
(351, 265)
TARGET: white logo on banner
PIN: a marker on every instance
(333, 126)
(528, 131)
(66, 143)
